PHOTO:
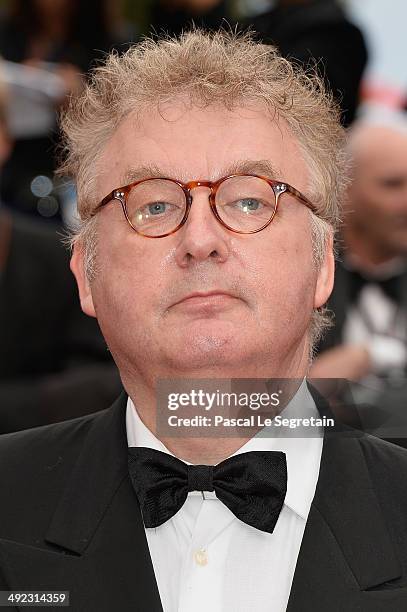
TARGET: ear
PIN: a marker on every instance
(326, 275)
(78, 269)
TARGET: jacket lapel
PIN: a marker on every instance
(346, 549)
(97, 545)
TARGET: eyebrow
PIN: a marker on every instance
(141, 172)
(251, 166)
(262, 167)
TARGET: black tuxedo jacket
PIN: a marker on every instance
(54, 364)
(69, 520)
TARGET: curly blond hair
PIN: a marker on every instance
(222, 67)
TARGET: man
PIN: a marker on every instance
(369, 340)
(182, 151)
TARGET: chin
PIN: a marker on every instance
(206, 351)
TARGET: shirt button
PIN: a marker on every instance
(201, 557)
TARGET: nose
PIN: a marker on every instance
(202, 237)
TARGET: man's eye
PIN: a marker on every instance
(248, 205)
(158, 208)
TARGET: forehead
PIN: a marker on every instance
(380, 150)
(196, 143)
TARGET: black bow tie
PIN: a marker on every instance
(252, 485)
(390, 286)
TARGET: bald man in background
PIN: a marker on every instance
(368, 342)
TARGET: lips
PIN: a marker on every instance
(204, 296)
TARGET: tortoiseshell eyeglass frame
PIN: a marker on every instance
(121, 194)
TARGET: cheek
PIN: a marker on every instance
(379, 209)
(289, 279)
(383, 219)
(116, 276)
(132, 277)
(123, 312)
(122, 262)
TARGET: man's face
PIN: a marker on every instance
(255, 292)
(378, 195)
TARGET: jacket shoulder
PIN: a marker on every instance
(33, 445)
(35, 465)
(382, 455)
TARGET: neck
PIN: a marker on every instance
(207, 446)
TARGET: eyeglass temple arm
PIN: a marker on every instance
(300, 197)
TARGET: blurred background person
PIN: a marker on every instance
(368, 342)
(63, 38)
(312, 31)
(54, 363)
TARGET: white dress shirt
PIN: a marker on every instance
(204, 558)
(378, 322)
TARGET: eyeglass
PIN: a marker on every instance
(242, 203)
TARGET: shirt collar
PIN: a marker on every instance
(303, 454)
